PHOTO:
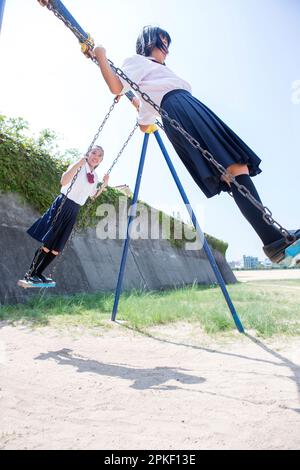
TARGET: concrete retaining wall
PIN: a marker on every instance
(92, 265)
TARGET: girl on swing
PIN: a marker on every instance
(147, 68)
(54, 234)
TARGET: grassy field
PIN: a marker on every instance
(268, 307)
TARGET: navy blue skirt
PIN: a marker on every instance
(55, 237)
(212, 134)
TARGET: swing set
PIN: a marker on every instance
(87, 45)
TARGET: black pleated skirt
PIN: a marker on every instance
(54, 237)
(212, 134)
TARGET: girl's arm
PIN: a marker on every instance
(98, 194)
(114, 83)
(112, 80)
(71, 172)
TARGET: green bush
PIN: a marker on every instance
(32, 167)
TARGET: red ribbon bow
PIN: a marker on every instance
(91, 178)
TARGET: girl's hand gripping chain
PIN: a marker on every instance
(103, 187)
(105, 181)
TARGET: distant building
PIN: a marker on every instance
(123, 188)
(250, 262)
(235, 264)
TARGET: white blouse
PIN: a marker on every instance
(154, 79)
(82, 189)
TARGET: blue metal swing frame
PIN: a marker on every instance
(2, 6)
(206, 246)
(67, 15)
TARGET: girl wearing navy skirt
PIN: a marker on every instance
(54, 234)
(147, 68)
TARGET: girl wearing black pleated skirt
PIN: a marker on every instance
(53, 230)
(173, 94)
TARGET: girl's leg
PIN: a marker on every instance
(51, 256)
(38, 258)
(267, 233)
(41, 260)
(238, 169)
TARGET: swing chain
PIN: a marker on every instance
(102, 125)
(54, 221)
(73, 182)
(91, 44)
(159, 124)
(123, 148)
(82, 39)
(76, 176)
(266, 213)
(78, 171)
(91, 200)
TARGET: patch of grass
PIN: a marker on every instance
(269, 308)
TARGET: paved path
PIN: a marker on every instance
(274, 274)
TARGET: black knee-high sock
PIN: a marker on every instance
(267, 233)
(39, 256)
(45, 263)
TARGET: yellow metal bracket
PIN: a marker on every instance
(87, 45)
(151, 129)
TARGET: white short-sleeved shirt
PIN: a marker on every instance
(154, 79)
(82, 189)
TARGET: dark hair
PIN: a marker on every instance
(98, 147)
(150, 38)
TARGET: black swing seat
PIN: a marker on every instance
(25, 284)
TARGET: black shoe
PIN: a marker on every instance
(46, 280)
(276, 251)
(36, 281)
(33, 279)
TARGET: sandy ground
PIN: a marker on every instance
(175, 389)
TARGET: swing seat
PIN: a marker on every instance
(292, 255)
(34, 285)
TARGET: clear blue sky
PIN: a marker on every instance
(240, 56)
